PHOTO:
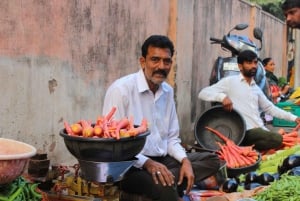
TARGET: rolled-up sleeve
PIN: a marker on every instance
(141, 160)
(216, 92)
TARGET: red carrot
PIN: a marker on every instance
(99, 120)
(236, 157)
(111, 113)
(247, 150)
(76, 128)
(131, 125)
(123, 123)
(252, 154)
(251, 160)
(141, 129)
(220, 154)
(87, 129)
(220, 135)
(228, 159)
(291, 134)
(106, 133)
(289, 139)
(288, 144)
(68, 128)
(241, 159)
(98, 131)
(211, 193)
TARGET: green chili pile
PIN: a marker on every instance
(287, 188)
(20, 190)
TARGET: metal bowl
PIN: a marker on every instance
(104, 149)
(104, 172)
(235, 172)
(230, 124)
(14, 156)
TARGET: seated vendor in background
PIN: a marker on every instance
(163, 169)
(278, 89)
(241, 93)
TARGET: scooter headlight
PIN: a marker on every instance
(247, 47)
(235, 44)
(239, 45)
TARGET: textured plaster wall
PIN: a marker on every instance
(57, 57)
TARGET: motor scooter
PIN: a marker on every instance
(234, 43)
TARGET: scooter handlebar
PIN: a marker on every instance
(215, 40)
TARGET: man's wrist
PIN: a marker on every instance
(184, 160)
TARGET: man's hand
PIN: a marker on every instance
(297, 121)
(159, 172)
(186, 171)
(227, 104)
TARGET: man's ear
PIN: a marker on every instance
(240, 66)
(142, 62)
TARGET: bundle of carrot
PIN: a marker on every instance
(106, 127)
(234, 155)
(289, 139)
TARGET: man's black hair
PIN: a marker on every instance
(246, 55)
(157, 41)
(288, 4)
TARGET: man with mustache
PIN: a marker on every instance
(291, 9)
(241, 93)
(163, 169)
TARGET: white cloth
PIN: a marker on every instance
(248, 100)
(133, 98)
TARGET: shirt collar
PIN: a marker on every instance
(143, 85)
(242, 78)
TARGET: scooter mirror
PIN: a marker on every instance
(238, 27)
(258, 34)
(241, 26)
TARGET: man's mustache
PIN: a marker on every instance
(161, 72)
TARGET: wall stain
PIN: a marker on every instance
(52, 146)
(81, 18)
(61, 120)
(87, 21)
(51, 85)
